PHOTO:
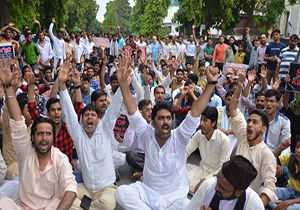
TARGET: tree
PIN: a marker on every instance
(225, 14)
(117, 13)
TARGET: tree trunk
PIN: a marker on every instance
(4, 14)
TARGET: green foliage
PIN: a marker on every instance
(148, 15)
(225, 14)
(74, 13)
(117, 13)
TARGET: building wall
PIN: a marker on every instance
(290, 19)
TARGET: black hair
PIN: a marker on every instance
(179, 70)
(263, 116)
(97, 94)
(22, 100)
(188, 82)
(159, 86)
(23, 69)
(193, 77)
(143, 103)
(239, 172)
(85, 77)
(211, 113)
(47, 68)
(232, 37)
(276, 31)
(39, 121)
(90, 107)
(113, 77)
(229, 93)
(271, 93)
(152, 74)
(51, 101)
(294, 36)
(161, 105)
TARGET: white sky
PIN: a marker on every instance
(102, 8)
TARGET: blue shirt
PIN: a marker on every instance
(155, 51)
(87, 99)
(273, 49)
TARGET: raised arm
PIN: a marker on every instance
(212, 77)
(51, 29)
(6, 77)
(235, 98)
(123, 74)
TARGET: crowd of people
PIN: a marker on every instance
(73, 114)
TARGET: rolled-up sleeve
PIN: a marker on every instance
(268, 173)
(66, 178)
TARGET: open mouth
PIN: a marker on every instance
(44, 145)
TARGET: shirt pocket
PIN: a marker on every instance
(170, 162)
(99, 153)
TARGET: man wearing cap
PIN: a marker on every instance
(229, 189)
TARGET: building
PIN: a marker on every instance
(172, 26)
(290, 19)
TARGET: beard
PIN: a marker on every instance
(163, 135)
(229, 198)
(38, 147)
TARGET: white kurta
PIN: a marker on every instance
(165, 179)
(213, 153)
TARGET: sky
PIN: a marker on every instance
(102, 8)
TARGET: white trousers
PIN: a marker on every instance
(138, 196)
(10, 189)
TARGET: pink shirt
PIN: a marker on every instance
(39, 189)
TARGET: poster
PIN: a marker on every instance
(294, 83)
(6, 50)
(101, 42)
(240, 68)
(121, 125)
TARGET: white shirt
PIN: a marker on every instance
(191, 48)
(164, 169)
(89, 49)
(259, 155)
(94, 154)
(182, 50)
(165, 51)
(279, 130)
(46, 52)
(213, 153)
(79, 49)
(131, 140)
(59, 48)
(199, 199)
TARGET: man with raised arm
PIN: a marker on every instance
(165, 181)
(250, 144)
(46, 178)
(93, 146)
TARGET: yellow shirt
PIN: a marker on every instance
(293, 183)
(239, 57)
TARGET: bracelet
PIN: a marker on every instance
(77, 87)
(212, 82)
(7, 86)
(13, 96)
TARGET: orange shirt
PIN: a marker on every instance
(219, 53)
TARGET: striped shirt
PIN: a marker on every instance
(286, 57)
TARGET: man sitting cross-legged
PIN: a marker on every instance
(46, 179)
(165, 182)
(93, 146)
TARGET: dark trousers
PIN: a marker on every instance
(135, 160)
(220, 66)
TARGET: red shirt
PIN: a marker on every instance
(63, 140)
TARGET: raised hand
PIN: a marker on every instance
(185, 90)
(241, 79)
(63, 74)
(263, 72)
(53, 20)
(17, 78)
(247, 30)
(212, 73)
(76, 77)
(251, 76)
(270, 31)
(29, 78)
(124, 72)
(193, 26)
(276, 84)
(6, 75)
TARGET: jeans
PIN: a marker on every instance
(78, 176)
(286, 193)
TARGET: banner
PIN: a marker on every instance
(101, 42)
(6, 50)
(294, 83)
(240, 68)
(121, 125)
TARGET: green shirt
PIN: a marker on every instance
(209, 51)
(31, 51)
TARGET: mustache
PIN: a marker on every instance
(165, 126)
